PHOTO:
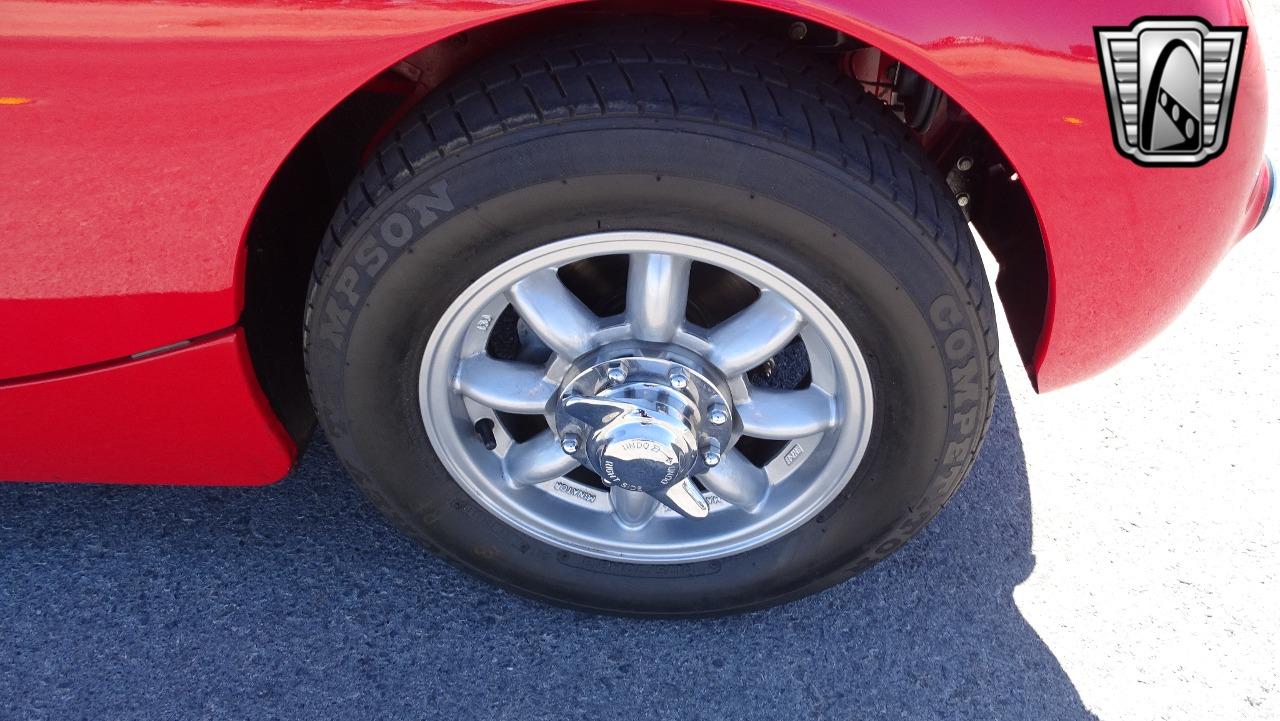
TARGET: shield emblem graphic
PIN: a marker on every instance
(1170, 84)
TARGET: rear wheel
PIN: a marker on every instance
(653, 319)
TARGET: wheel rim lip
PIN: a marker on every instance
(450, 434)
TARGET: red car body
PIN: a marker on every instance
(138, 139)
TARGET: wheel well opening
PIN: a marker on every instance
(294, 212)
(284, 236)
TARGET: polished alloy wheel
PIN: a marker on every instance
(646, 397)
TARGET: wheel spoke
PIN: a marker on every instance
(537, 460)
(755, 334)
(554, 314)
(632, 508)
(505, 385)
(737, 480)
(784, 415)
(657, 290)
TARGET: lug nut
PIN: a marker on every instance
(964, 164)
(569, 444)
(679, 380)
(717, 415)
(711, 456)
(617, 374)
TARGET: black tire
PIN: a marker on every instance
(736, 138)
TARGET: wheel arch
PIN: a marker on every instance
(288, 223)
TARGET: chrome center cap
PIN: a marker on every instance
(646, 425)
(648, 463)
(641, 436)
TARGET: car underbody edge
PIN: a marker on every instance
(190, 416)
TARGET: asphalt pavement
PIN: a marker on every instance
(1114, 554)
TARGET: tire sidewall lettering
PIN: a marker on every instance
(952, 324)
(395, 233)
(350, 281)
(957, 344)
(396, 230)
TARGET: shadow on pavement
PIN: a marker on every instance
(297, 601)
